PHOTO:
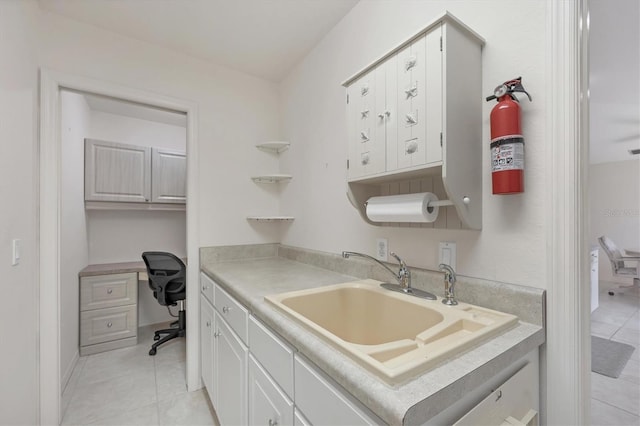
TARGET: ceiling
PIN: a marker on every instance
(614, 84)
(265, 38)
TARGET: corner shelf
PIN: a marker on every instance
(274, 146)
(271, 218)
(272, 178)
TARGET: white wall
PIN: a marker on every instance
(614, 197)
(235, 110)
(511, 245)
(74, 248)
(18, 171)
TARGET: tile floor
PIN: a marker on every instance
(617, 401)
(129, 387)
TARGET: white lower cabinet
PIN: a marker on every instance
(315, 392)
(268, 404)
(299, 419)
(206, 345)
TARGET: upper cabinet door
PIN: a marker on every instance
(116, 172)
(169, 176)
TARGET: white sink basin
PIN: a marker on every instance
(393, 335)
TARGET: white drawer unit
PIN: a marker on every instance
(268, 404)
(106, 291)
(108, 312)
(275, 355)
(323, 402)
(232, 312)
(206, 286)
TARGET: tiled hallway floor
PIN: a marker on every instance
(617, 401)
(129, 387)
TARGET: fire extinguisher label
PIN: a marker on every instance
(507, 154)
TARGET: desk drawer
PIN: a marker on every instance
(232, 311)
(105, 291)
(103, 325)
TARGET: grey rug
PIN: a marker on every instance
(609, 357)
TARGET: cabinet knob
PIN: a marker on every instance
(273, 422)
(109, 324)
(208, 323)
(109, 290)
(225, 309)
(216, 334)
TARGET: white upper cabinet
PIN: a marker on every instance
(168, 176)
(414, 121)
(123, 173)
(117, 172)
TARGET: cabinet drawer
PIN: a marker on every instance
(103, 325)
(268, 405)
(274, 355)
(105, 291)
(315, 392)
(206, 286)
(233, 312)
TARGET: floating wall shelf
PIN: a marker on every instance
(274, 178)
(274, 146)
(271, 218)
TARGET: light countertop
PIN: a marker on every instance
(250, 279)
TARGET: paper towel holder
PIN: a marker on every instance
(440, 203)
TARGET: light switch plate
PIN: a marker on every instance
(15, 249)
(382, 248)
(447, 254)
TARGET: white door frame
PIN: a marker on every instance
(51, 82)
(567, 355)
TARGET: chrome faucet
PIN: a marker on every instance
(449, 284)
(403, 276)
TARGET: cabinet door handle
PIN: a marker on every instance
(204, 287)
(109, 290)
(208, 323)
(216, 334)
(382, 115)
(225, 309)
(273, 422)
(109, 324)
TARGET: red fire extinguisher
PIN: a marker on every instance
(507, 142)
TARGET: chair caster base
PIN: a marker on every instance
(156, 337)
(611, 293)
(152, 352)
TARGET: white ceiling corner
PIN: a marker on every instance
(265, 38)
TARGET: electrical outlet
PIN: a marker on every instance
(15, 258)
(382, 248)
(447, 254)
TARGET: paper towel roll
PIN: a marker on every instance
(402, 208)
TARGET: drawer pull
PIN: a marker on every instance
(109, 290)
(204, 287)
(273, 422)
(208, 323)
(109, 324)
(216, 334)
(225, 309)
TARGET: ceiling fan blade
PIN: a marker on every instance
(627, 138)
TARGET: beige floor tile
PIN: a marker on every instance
(631, 372)
(603, 329)
(171, 380)
(142, 416)
(71, 385)
(616, 392)
(116, 363)
(612, 315)
(190, 408)
(605, 415)
(628, 335)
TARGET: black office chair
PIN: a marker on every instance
(167, 278)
